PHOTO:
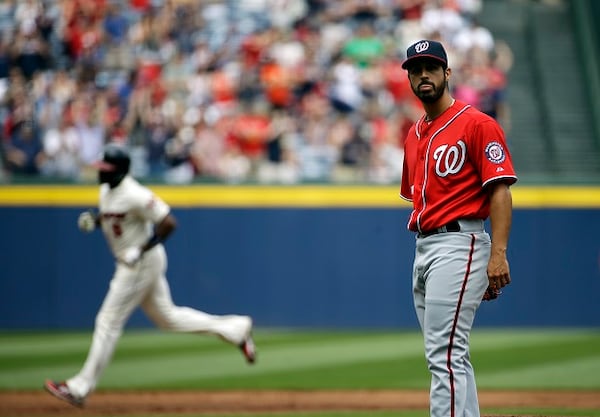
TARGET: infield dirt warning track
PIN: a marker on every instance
(123, 403)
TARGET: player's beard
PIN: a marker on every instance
(432, 96)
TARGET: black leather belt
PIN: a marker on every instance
(453, 226)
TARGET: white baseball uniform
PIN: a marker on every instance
(128, 213)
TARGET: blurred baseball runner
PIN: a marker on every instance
(457, 173)
(135, 222)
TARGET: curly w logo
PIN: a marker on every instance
(450, 159)
(421, 46)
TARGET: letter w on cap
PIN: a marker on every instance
(421, 46)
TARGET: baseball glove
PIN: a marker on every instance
(491, 294)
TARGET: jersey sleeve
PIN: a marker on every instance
(151, 207)
(491, 154)
(157, 209)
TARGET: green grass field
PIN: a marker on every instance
(524, 359)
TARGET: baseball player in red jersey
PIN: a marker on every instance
(457, 173)
(135, 222)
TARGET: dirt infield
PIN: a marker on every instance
(39, 403)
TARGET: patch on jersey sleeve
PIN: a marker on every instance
(495, 152)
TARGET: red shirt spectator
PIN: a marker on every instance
(140, 5)
(250, 133)
(396, 81)
(223, 88)
(277, 81)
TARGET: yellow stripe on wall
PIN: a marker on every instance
(214, 196)
(283, 196)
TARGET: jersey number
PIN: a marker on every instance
(117, 229)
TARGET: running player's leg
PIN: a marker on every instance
(159, 307)
(122, 298)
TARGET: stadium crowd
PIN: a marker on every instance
(267, 91)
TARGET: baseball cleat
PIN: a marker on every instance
(61, 391)
(248, 349)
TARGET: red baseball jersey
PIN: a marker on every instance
(447, 164)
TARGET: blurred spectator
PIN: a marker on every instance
(481, 82)
(473, 35)
(82, 30)
(180, 169)
(250, 131)
(5, 57)
(354, 144)
(409, 14)
(281, 164)
(277, 82)
(223, 86)
(115, 28)
(29, 50)
(500, 63)
(287, 51)
(439, 16)
(469, 9)
(91, 134)
(61, 151)
(175, 74)
(365, 46)
(209, 147)
(345, 86)
(115, 24)
(285, 13)
(24, 150)
(387, 136)
(159, 150)
(317, 155)
(26, 14)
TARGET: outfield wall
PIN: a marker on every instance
(292, 259)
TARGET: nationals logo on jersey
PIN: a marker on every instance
(495, 152)
(449, 159)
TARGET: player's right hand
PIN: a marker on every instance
(86, 222)
(131, 256)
